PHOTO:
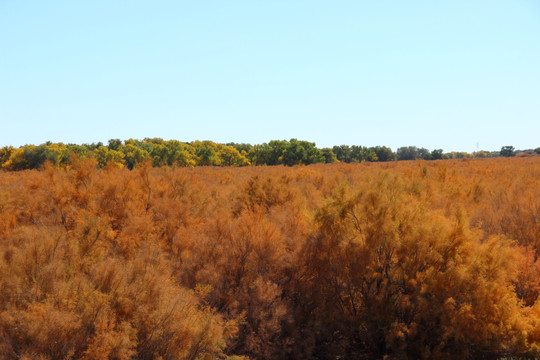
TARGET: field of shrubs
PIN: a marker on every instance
(396, 260)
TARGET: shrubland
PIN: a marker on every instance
(394, 260)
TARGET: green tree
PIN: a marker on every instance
(424, 154)
(80, 150)
(437, 154)
(230, 156)
(105, 156)
(5, 153)
(384, 153)
(407, 153)
(146, 146)
(507, 151)
(207, 156)
(343, 153)
(114, 144)
(259, 154)
(480, 154)
(36, 156)
(328, 155)
(358, 153)
(301, 152)
(133, 155)
(17, 160)
(276, 149)
(180, 153)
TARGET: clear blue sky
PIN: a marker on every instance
(435, 74)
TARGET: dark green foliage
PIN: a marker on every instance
(328, 155)
(301, 152)
(114, 144)
(207, 156)
(384, 153)
(161, 152)
(507, 151)
(437, 154)
(407, 153)
(343, 153)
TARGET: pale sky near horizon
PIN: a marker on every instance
(434, 74)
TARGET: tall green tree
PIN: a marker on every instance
(133, 155)
(437, 154)
(328, 155)
(384, 153)
(114, 144)
(507, 151)
(105, 156)
(207, 156)
(343, 153)
(407, 153)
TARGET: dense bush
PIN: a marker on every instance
(395, 260)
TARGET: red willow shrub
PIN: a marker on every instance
(404, 260)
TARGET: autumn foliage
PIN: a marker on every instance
(397, 260)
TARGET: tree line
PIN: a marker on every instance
(161, 152)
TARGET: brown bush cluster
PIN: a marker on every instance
(400, 260)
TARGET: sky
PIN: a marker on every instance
(458, 75)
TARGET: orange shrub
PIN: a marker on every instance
(400, 260)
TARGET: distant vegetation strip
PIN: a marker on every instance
(161, 152)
